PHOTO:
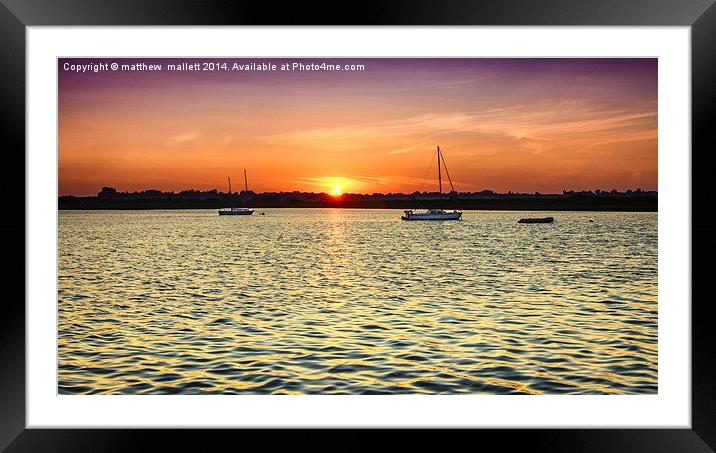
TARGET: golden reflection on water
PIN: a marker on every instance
(356, 301)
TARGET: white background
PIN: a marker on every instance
(670, 408)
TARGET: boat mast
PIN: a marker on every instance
(440, 178)
(246, 181)
(447, 172)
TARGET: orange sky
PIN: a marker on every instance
(504, 124)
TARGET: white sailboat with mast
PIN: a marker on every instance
(237, 211)
(436, 213)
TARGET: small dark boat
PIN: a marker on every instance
(537, 220)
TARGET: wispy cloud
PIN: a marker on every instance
(226, 140)
(183, 138)
(536, 124)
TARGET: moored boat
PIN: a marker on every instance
(435, 213)
(237, 211)
(431, 214)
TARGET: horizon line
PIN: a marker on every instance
(613, 190)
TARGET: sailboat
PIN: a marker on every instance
(435, 213)
(237, 211)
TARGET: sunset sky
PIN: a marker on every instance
(523, 125)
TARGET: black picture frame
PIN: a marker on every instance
(16, 15)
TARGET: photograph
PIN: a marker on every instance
(357, 226)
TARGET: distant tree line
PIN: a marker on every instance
(110, 198)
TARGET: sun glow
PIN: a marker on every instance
(336, 191)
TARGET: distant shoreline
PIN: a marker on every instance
(615, 205)
(110, 199)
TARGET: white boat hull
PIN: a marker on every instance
(432, 216)
(228, 212)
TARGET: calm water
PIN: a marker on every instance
(356, 301)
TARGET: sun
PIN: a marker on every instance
(336, 191)
(335, 186)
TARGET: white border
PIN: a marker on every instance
(670, 408)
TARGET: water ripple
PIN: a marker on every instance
(356, 302)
